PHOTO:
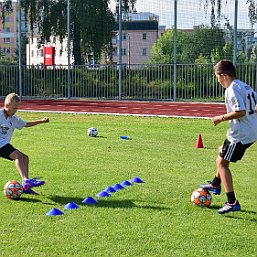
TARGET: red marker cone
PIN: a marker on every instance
(199, 142)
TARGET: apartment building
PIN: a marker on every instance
(140, 32)
(9, 30)
(37, 54)
(8, 33)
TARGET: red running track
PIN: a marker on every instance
(166, 109)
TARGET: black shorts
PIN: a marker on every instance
(233, 152)
(6, 150)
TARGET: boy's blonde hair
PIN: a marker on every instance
(11, 98)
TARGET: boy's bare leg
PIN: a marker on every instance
(21, 163)
(223, 172)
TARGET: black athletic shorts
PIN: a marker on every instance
(233, 152)
(6, 150)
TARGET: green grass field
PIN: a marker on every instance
(156, 218)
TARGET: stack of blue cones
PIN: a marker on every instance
(117, 187)
(91, 201)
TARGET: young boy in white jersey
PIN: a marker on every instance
(240, 101)
(8, 122)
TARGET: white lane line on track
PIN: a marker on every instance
(118, 114)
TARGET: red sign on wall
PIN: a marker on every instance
(49, 54)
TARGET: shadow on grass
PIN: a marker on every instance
(236, 217)
(232, 215)
(214, 207)
(100, 137)
(32, 200)
(108, 203)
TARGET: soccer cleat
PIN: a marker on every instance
(30, 191)
(228, 207)
(210, 187)
(27, 184)
(32, 183)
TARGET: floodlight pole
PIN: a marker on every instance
(175, 51)
(120, 50)
(235, 32)
(68, 46)
(19, 46)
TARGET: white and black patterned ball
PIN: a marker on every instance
(92, 132)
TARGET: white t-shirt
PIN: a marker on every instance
(240, 96)
(7, 126)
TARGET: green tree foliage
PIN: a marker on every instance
(163, 50)
(191, 46)
(216, 8)
(91, 24)
(203, 40)
(127, 6)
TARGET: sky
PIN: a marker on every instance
(191, 12)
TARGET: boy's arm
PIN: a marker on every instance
(228, 116)
(36, 122)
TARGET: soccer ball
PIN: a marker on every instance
(13, 189)
(92, 132)
(201, 197)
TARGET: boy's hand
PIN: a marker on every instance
(216, 120)
(45, 119)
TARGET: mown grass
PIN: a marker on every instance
(151, 219)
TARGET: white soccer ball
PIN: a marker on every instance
(92, 132)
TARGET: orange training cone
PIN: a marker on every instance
(199, 142)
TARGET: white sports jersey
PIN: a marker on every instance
(240, 96)
(7, 126)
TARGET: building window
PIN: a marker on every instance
(124, 36)
(144, 51)
(6, 30)
(144, 36)
(40, 53)
(7, 40)
(7, 19)
(6, 50)
(114, 51)
(124, 51)
(32, 53)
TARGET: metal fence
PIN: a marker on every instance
(194, 82)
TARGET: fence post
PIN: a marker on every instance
(175, 51)
(68, 46)
(235, 32)
(19, 42)
(120, 50)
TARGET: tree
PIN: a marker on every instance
(202, 40)
(91, 24)
(216, 8)
(163, 50)
(127, 6)
(191, 46)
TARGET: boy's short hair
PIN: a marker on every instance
(225, 67)
(12, 98)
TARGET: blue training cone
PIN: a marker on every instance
(103, 194)
(90, 200)
(54, 212)
(126, 183)
(137, 180)
(70, 206)
(110, 190)
(124, 137)
(118, 187)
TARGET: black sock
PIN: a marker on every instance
(231, 197)
(216, 181)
